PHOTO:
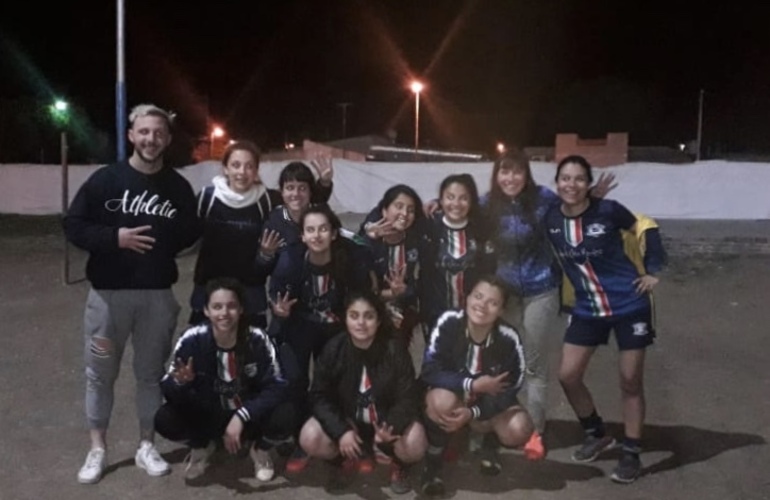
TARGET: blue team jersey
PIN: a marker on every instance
(591, 251)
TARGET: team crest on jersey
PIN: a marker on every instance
(412, 255)
(595, 230)
(250, 370)
(639, 329)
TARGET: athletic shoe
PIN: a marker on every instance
(197, 461)
(490, 460)
(431, 483)
(148, 458)
(591, 448)
(628, 469)
(93, 468)
(297, 461)
(264, 470)
(399, 479)
(534, 449)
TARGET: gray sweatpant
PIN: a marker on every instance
(540, 325)
(149, 317)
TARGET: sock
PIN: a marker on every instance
(632, 447)
(593, 425)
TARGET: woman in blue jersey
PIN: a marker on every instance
(307, 289)
(612, 293)
(459, 253)
(225, 382)
(516, 207)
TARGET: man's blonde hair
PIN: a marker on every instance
(150, 110)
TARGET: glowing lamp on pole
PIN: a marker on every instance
(416, 87)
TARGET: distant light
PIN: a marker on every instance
(60, 105)
(217, 131)
(417, 86)
(500, 147)
(289, 145)
(682, 146)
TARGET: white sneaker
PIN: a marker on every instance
(263, 464)
(94, 466)
(197, 461)
(148, 458)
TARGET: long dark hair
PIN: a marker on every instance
(527, 198)
(465, 180)
(577, 160)
(341, 260)
(393, 192)
(243, 337)
(386, 328)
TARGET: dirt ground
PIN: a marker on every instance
(707, 383)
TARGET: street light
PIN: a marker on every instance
(60, 115)
(417, 87)
(216, 132)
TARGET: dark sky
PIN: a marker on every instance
(516, 71)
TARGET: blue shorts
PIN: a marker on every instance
(632, 331)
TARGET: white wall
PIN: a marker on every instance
(704, 190)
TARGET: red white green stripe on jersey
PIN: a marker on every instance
(455, 289)
(600, 304)
(457, 243)
(368, 413)
(573, 231)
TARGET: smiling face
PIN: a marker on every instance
(296, 195)
(400, 212)
(456, 203)
(241, 170)
(572, 184)
(318, 233)
(150, 136)
(484, 304)
(511, 178)
(362, 323)
(224, 311)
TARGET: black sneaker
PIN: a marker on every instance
(592, 447)
(431, 484)
(628, 469)
(490, 459)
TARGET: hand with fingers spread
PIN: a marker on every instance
(232, 436)
(350, 444)
(489, 384)
(270, 242)
(324, 168)
(645, 284)
(183, 373)
(282, 305)
(382, 227)
(131, 238)
(396, 281)
(455, 419)
(604, 185)
(383, 433)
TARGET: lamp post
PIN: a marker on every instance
(60, 115)
(216, 132)
(416, 87)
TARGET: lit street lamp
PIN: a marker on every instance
(216, 132)
(417, 87)
(60, 115)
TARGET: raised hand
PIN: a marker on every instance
(183, 373)
(396, 281)
(430, 207)
(270, 242)
(324, 168)
(488, 384)
(131, 238)
(604, 185)
(382, 227)
(282, 305)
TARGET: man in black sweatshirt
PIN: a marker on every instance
(133, 217)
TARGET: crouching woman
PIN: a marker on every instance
(473, 367)
(365, 399)
(225, 382)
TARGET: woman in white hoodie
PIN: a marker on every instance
(232, 211)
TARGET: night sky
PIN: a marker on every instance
(511, 71)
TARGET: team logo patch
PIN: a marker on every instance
(412, 255)
(640, 329)
(554, 230)
(250, 370)
(595, 230)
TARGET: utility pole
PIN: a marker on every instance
(344, 106)
(700, 125)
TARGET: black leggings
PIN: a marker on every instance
(188, 423)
